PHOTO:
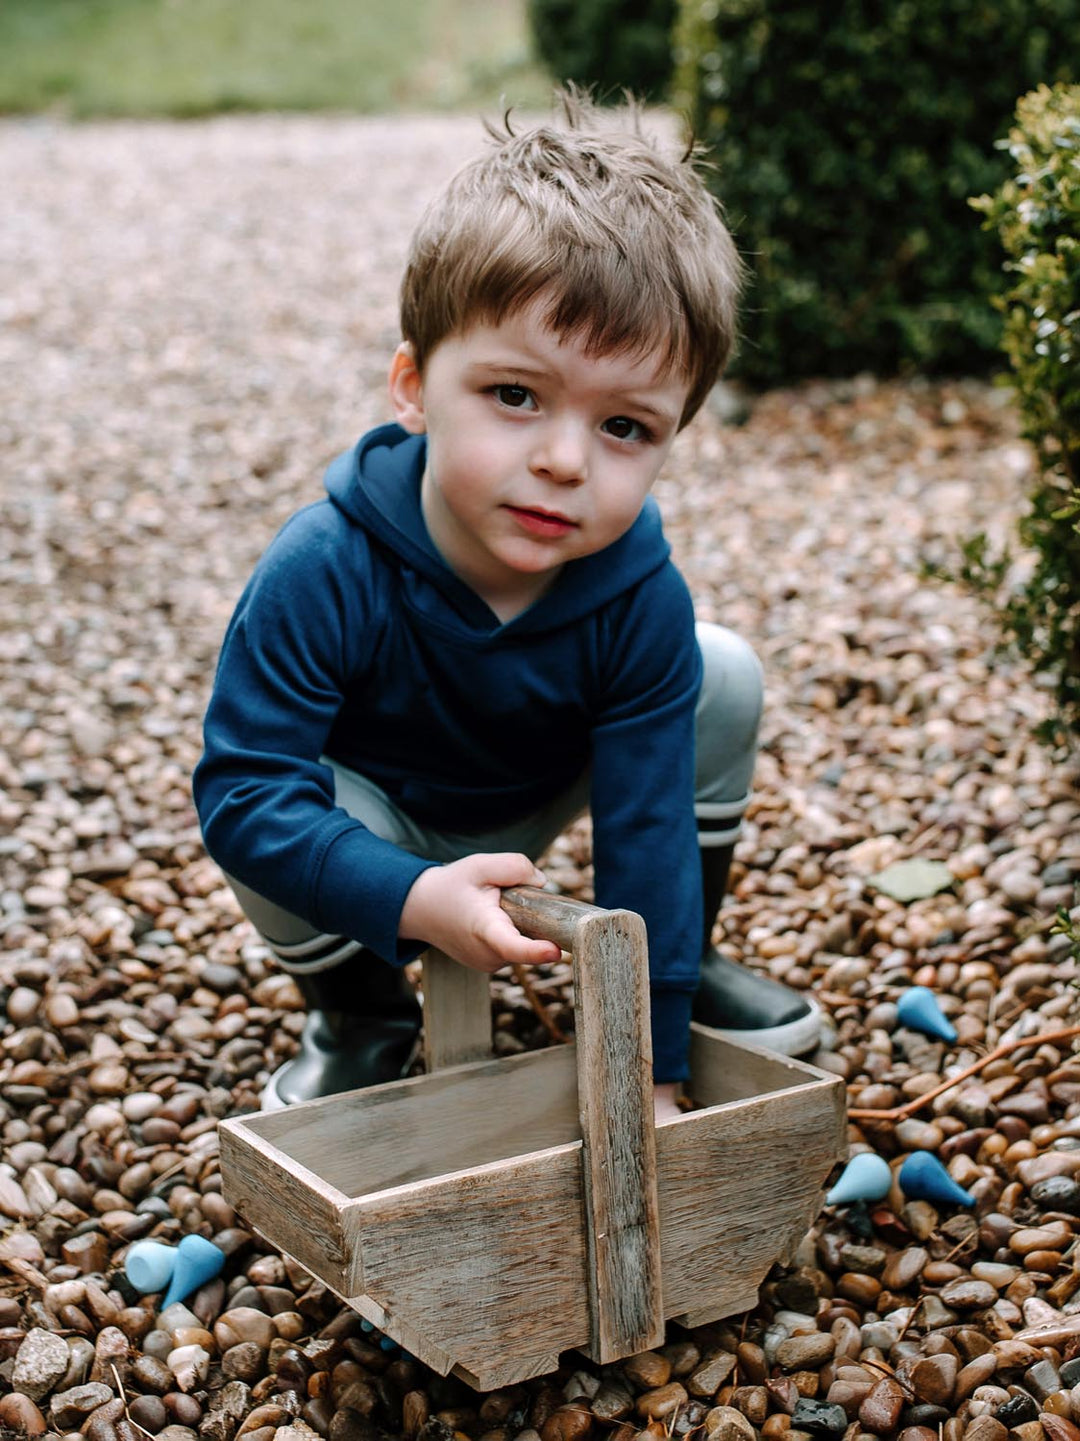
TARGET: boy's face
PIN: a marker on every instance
(538, 453)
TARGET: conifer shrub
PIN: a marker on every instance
(609, 44)
(847, 139)
(1035, 214)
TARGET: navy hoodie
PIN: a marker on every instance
(354, 640)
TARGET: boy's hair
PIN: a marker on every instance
(623, 243)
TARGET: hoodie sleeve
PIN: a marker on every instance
(303, 628)
(644, 829)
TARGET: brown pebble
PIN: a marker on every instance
(975, 1374)
(1052, 1237)
(860, 1288)
(965, 1294)
(724, 1423)
(933, 1378)
(751, 1361)
(880, 1410)
(707, 1379)
(647, 1371)
(752, 1401)
(904, 1267)
(776, 1426)
(243, 1362)
(982, 1428)
(568, 1423)
(662, 1402)
(415, 1410)
(148, 1412)
(1058, 1428)
(21, 1414)
(799, 1352)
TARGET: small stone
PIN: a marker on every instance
(68, 1408)
(880, 1409)
(966, 1294)
(40, 1362)
(933, 1378)
(985, 1428)
(647, 1371)
(661, 1402)
(707, 1379)
(724, 1423)
(19, 1413)
(799, 1353)
(904, 1267)
(819, 1418)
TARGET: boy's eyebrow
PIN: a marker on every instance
(540, 372)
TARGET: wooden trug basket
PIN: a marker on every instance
(492, 1213)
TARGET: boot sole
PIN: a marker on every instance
(795, 1038)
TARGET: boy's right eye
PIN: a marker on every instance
(515, 397)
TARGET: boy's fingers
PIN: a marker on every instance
(507, 868)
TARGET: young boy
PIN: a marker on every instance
(480, 632)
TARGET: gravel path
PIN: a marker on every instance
(193, 319)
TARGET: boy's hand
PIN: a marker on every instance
(456, 908)
(665, 1106)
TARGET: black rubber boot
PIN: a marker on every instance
(361, 1030)
(736, 1001)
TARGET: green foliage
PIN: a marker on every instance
(847, 139)
(609, 44)
(1036, 216)
(194, 57)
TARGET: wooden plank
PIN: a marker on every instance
(740, 1185)
(489, 1266)
(369, 1140)
(724, 1070)
(614, 1051)
(457, 1012)
(292, 1206)
(614, 1063)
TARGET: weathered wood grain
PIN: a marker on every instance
(489, 1264)
(614, 1050)
(457, 1012)
(292, 1206)
(409, 1131)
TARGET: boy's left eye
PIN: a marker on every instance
(623, 428)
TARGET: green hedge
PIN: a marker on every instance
(1035, 215)
(610, 44)
(847, 139)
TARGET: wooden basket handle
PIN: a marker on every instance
(614, 1065)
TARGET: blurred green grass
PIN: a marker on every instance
(195, 57)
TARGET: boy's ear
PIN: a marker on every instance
(407, 390)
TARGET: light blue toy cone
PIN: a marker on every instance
(923, 1178)
(918, 1009)
(866, 1177)
(197, 1261)
(149, 1265)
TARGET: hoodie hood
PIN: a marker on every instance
(376, 485)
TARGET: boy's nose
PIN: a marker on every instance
(560, 454)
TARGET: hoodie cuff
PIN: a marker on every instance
(670, 1011)
(361, 890)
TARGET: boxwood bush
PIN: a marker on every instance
(610, 44)
(1035, 215)
(847, 139)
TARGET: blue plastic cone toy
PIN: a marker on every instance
(923, 1178)
(149, 1265)
(866, 1177)
(197, 1261)
(918, 1009)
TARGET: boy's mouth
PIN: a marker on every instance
(542, 522)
